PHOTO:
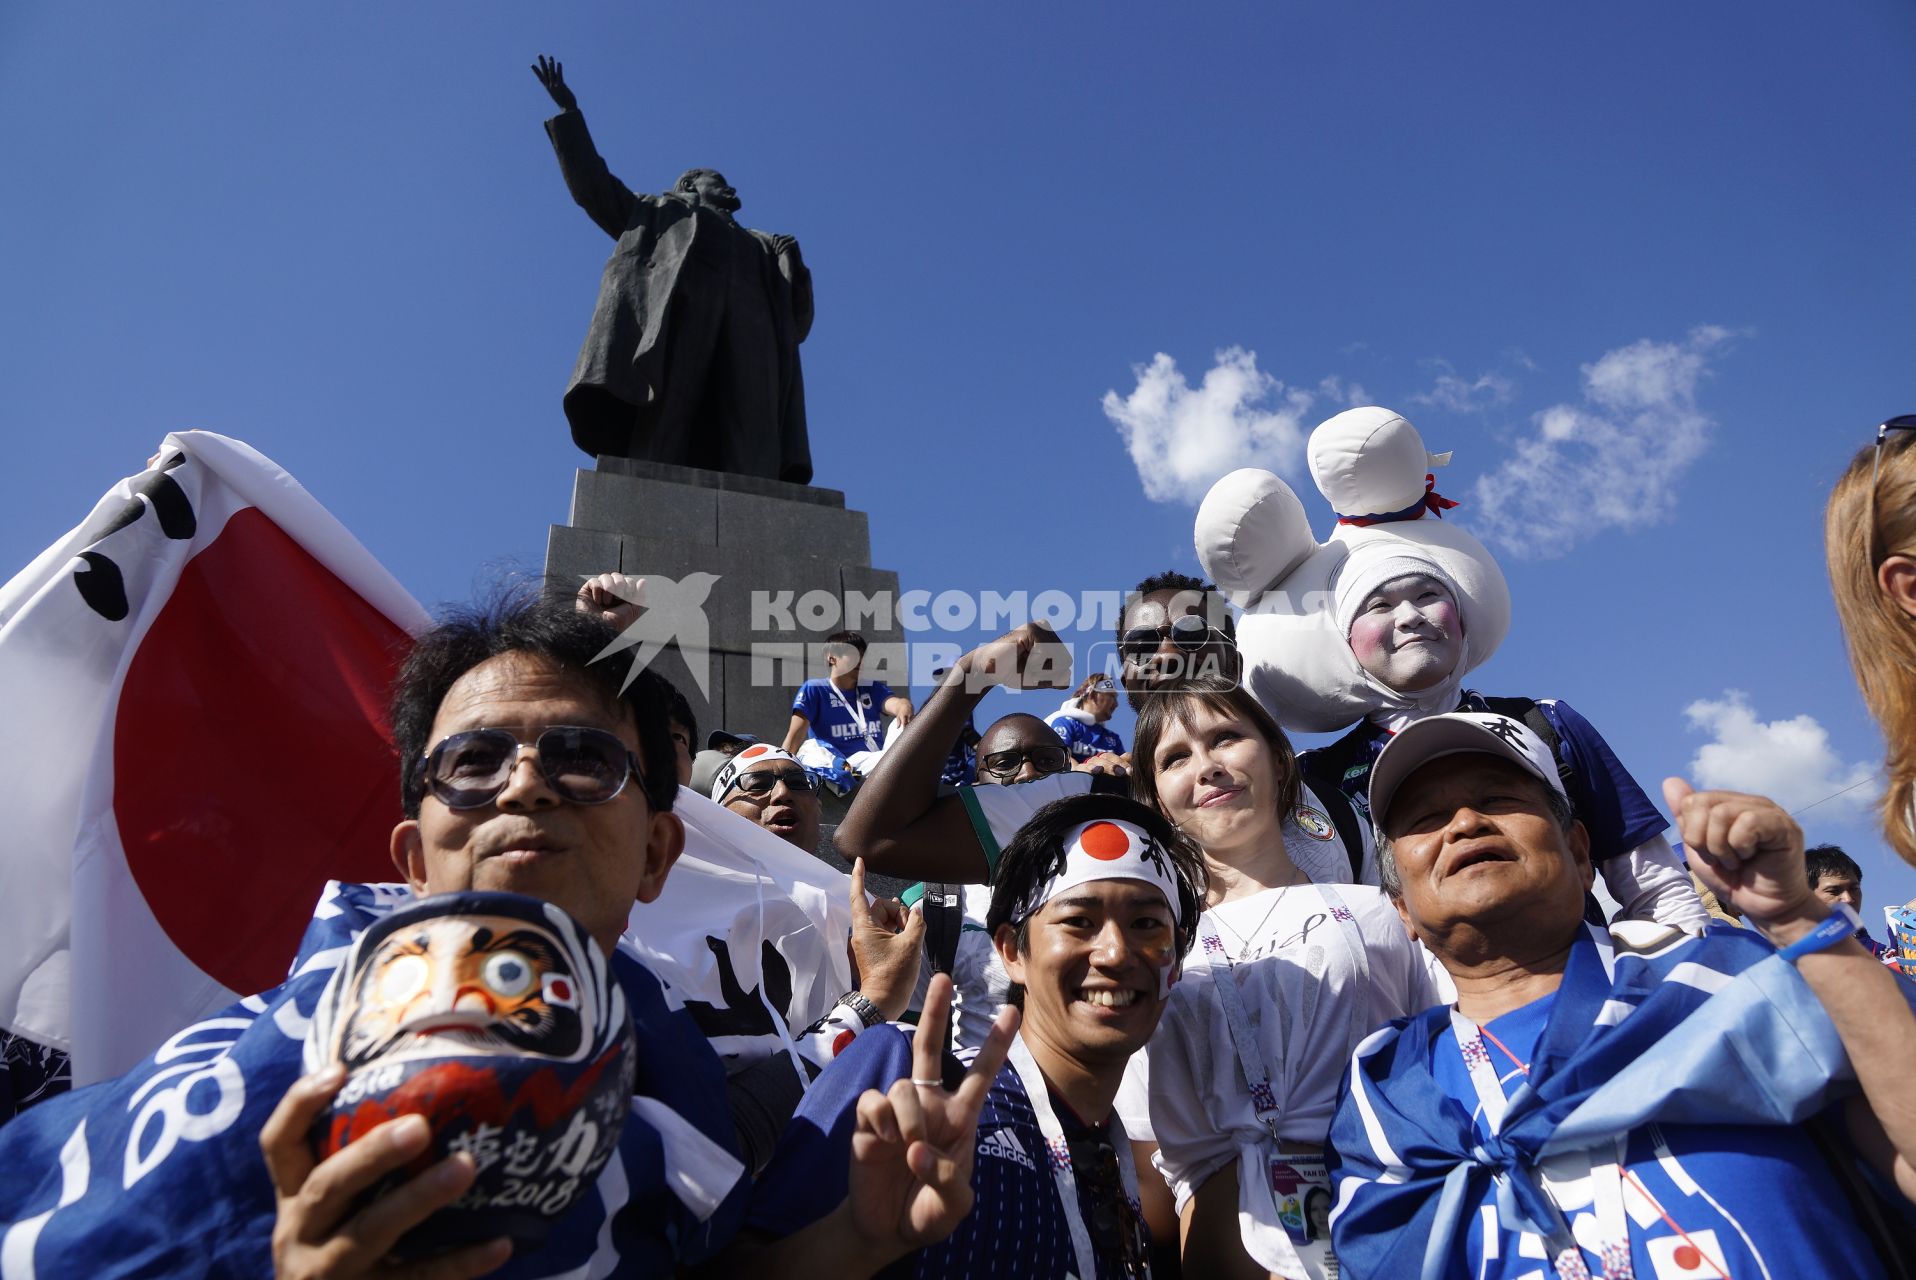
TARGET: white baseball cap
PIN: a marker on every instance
(1456, 733)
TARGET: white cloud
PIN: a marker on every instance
(1613, 461)
(1790, 761)
(1462, 395)
(1348, 394)
(1183, 438)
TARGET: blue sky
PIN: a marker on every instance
(338, 233)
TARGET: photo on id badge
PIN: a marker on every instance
(1302, 1190)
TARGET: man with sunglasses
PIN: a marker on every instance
(526, 766)
(765, 785)
(1174, 627)
(1019, 748)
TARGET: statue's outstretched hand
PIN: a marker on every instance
(551, 73)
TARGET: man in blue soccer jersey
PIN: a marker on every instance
(1080, 722)
(1636, 1101)
(837, 728)
(1094, 902)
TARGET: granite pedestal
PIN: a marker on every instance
(791, 565)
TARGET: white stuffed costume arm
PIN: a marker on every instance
(1651, 883)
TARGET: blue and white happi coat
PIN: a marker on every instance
(159, 1171)
(1650, 1026)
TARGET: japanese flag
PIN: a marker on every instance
(195, 683)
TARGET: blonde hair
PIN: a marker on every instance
(1881, 637)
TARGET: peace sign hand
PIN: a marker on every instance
(910, 1177)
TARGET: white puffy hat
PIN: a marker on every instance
(1299, 596)
(1370, 463)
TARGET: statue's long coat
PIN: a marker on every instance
(625, 349)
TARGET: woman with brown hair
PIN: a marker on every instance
(1869, 535)
(1291, 971)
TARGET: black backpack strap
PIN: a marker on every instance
(1322, 770)
(1528, 711)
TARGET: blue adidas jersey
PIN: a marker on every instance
(1016, 1226)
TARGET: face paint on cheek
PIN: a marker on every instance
(1165, 961)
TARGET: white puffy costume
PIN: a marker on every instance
(1298, 598)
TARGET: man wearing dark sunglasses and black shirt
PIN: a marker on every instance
(1174, 627)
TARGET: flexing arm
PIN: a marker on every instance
(1749, 853)
(899, 823)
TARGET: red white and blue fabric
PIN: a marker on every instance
(195, 680)
(1650, 1029)
(159, 1173)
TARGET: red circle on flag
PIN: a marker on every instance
(251, 757)
(1687, 1256)
(754, 751)
(1105, 841)
(561, 989)
(842, 1039)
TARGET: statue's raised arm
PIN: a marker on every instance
(551, 73)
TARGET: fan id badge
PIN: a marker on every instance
(1301, 1189)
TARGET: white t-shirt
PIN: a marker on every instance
(1312, 986)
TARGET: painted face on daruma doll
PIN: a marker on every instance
(463, 984)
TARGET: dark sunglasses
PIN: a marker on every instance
(1044, 759)
(584, 766)
(1188, 633)
(1907, 422)
(1117, 1230)
(760, 782)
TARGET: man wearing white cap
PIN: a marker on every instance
(1630, 1102)
(1093, 905)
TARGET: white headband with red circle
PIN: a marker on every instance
(1107, 849)
(728, 774)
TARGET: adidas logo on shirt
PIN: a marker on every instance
(1004, 1144)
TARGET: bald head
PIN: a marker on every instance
(1024, 743)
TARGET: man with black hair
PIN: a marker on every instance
(1093, 906)
(1835, 877)
(527, 766)
(837, 723)
(1174, 627)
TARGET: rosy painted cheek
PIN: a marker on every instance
(1444, 615)
(1367, 638)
